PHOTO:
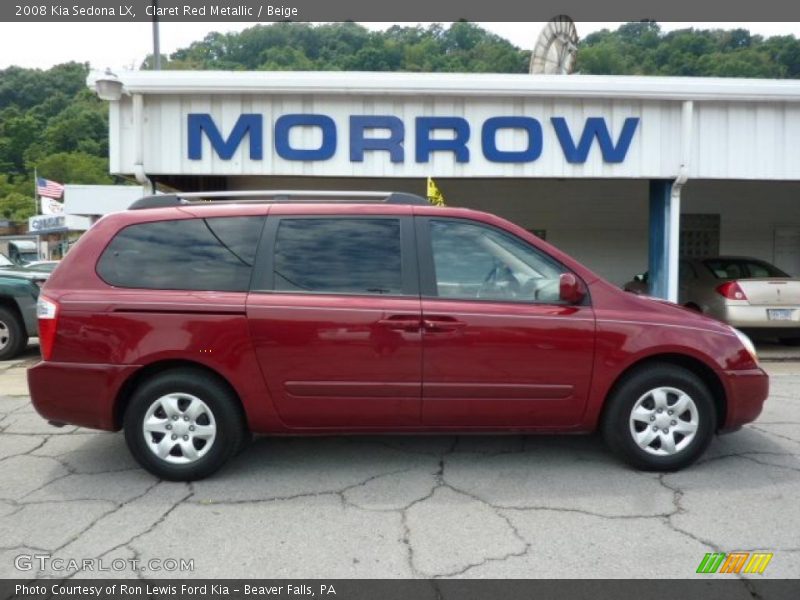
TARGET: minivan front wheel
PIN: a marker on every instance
(183, 425)
(660, 418)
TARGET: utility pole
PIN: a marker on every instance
(156, 40)
(35, 191)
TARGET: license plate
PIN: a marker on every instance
(779, 314)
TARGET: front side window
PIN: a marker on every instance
(213, 254)
(476, 262)
(338, 256)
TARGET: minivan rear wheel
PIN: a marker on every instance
(183, 425)
(660, 418)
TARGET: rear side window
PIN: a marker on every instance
(738, 268)
(338, 256)
(192, 254)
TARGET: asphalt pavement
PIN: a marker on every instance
(395, 506)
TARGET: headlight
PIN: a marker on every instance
(747, 343)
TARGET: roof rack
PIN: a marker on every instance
(270, 196)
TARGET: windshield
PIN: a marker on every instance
(742, 268)
(28, 256)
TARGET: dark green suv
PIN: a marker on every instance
(18, 297)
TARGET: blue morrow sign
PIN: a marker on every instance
(575, 147)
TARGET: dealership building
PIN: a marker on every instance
(626, 174)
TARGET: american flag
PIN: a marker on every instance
(51, 189)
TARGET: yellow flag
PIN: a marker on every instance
(435, 196)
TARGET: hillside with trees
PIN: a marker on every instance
(50, 121)
(462, 47)
(644, 49)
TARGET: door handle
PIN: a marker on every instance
(437, 324)
(409, 323)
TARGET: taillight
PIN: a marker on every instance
(731, 290)
(47, 312)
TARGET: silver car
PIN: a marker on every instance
(748, 293)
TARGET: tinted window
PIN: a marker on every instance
(332, 255)
(476, 262)
(741, 268)
(191, 254)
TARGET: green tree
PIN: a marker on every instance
(643, 49)
(74, 167)
(18, 130)
(463, 46)
(17, 207)
(28, 87)
(81, 126)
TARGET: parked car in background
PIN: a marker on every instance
(18, 322)
(9, 267)
(191, 323)
(20, 251)
(748, 293)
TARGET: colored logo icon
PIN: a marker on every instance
(734, 562)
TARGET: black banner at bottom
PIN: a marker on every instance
(401, 589)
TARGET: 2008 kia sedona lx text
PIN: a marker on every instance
(191, 324)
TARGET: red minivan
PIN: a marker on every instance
(192, 320)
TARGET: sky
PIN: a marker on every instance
(42, 45)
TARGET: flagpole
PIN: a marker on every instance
(35, 192)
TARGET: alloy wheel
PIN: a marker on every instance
(664, 421)
(179, 428)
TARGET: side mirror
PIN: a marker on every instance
(570, 289)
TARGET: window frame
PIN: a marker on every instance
(263, 279)
(427, 268)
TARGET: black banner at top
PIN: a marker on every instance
(266, 11)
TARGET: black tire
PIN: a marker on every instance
(14, 337)
(228, 418)
(617, 425)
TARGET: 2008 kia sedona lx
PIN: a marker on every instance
(192, 324)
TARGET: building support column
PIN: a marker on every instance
(138, 145)
(665, 215)
(658, 263)
(665, 218)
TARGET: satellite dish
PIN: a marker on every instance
(554, 53)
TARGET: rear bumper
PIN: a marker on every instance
(78, 394)
(752, 317)
(747, 391)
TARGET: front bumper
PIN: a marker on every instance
(746, 392)
(78, 394)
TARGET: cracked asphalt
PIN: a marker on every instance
(422, 506)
